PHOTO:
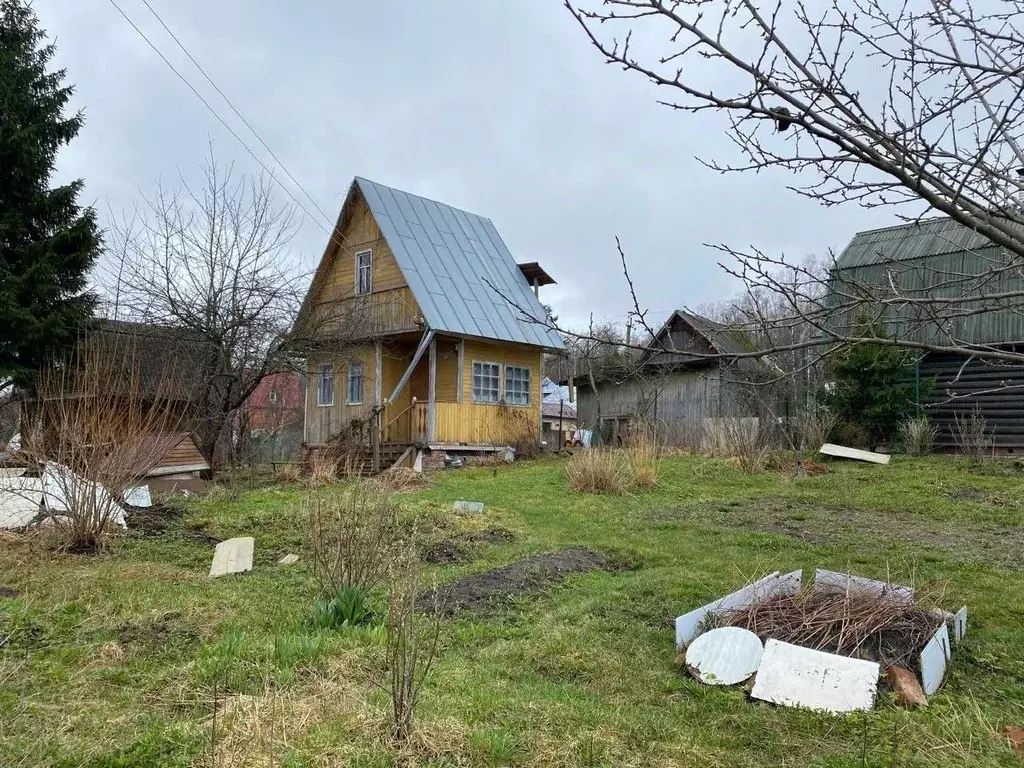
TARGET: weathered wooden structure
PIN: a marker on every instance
(688, 374)
(942, 258)
(416, 330)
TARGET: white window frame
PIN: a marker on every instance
(529, 385)
(472, 382)
(369, 272)
(352, 366)
(324, 372)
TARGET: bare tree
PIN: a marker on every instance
(914, 105)
(214, 260)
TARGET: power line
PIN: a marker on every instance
(221, 120)
(235, 109)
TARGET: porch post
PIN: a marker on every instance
(432, 392)
(375, 425)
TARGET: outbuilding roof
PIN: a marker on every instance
(930, 237)
(459, 269)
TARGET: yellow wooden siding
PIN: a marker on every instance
(473, 423)
(390, 306)
(325, 421)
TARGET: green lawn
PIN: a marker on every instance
(115, 660)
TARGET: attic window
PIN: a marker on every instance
(364, 272)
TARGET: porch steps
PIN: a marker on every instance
(389, 454)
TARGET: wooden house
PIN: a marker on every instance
(940, 257)
(687, 375)
(418, 329)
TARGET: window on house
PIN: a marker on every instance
(364, 272)
(275, 396)
(486, 382)
(325, 386)
(517, 385)
(355, 383)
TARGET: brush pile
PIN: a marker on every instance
(888, 627)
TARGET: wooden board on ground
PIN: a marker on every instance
(843, 452)
(232, 556)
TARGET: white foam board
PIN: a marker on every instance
(960, 624)
(934, 659)
(232, 556)
(59, 481)
(6, 472)
(20, 500)
(724, 656)
(793, 676)
(843, 452)
(474, 507)
(138, 496)
(845, 582)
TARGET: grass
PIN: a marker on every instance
(116, 660)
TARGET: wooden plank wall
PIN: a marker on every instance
(678, 401)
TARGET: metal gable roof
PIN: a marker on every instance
(456, 264)
(904, 242)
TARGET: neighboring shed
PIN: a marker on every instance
(942, 258)
(690, 372)
(559, 420)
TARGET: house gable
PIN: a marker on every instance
(460, 274)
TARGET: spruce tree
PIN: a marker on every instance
(47, 241)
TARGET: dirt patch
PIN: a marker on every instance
(461, 549)
(1002, 546)
(151, 521)
(486, 590)
(8, 592)
(979, 496)
(165, 631)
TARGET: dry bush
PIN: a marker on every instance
(400, 480)
(524, 431)
(323, 469)
(352, 536)
(918, 436)
(744, 439)
(972, 435)
(599, 470)
(290, 473)
(814, 427)
(411, 645)
(643, 450)
(95, 427)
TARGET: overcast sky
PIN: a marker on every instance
(500, 108)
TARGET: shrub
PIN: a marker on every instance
(918, 436)
(814, 427)
(411, 643)
(972, 434)
(744, 439)
(352, 535)
(643, 450)
(323, 468)
(350, 607)
(599, 470)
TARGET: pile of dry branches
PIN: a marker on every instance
(890, 628)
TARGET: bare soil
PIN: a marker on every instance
(167, 630)
(10, 592)
(462, 549)
(997, 545)
(482, 591)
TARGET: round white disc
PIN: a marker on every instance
(724, 656)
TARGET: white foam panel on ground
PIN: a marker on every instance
(845, 582)
(20, 500)
(934, 659)
(232, 556)
(793, 676)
